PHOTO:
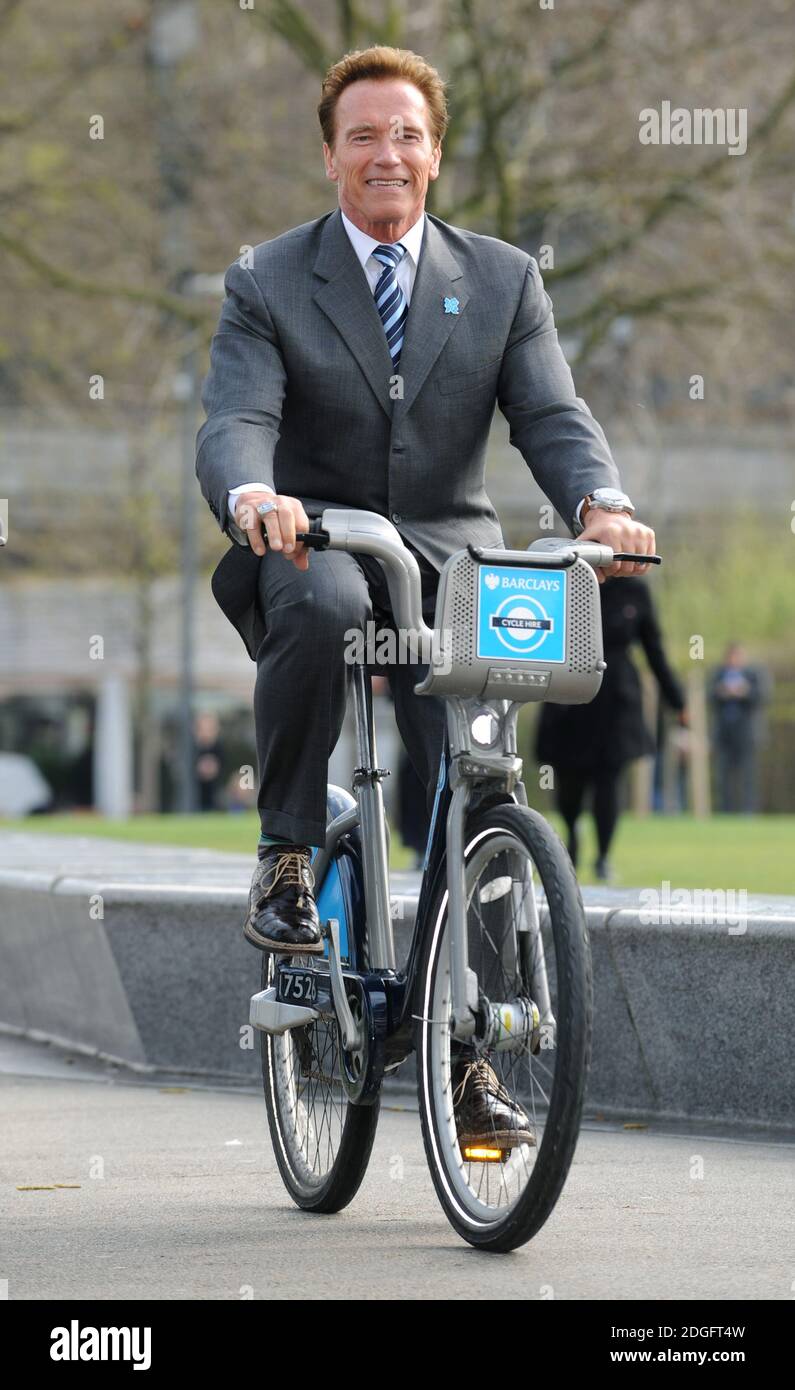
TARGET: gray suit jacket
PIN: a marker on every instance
(299, 394)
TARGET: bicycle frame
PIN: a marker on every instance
(459, 772)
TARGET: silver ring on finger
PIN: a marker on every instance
(265, 508)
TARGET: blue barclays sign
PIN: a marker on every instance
(521, 613)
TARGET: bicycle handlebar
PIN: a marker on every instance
(370, 533)
(599, 556)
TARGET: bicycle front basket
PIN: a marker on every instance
(517, 625)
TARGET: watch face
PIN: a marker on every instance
(610, 497)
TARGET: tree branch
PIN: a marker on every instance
(183, 309)
(677, 193)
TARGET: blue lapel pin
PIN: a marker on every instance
(450, 305)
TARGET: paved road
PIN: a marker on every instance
(191, 1206)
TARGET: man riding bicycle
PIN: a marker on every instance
(357, 363)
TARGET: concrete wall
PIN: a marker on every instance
(692, 1020)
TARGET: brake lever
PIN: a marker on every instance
(639, 559)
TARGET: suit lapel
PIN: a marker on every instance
(347, 301)
(428, 326)
(345, 298)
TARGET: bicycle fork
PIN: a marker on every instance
(515, 1026)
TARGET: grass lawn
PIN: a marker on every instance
(756, 853)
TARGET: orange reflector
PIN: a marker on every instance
(483, 1155)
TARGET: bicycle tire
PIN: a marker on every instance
(564, 924)
(351, 1127)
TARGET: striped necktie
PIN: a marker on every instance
(390, 300)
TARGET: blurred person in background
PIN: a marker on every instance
(737, 693)
(209, 759)
(588, 746)
(412, 811)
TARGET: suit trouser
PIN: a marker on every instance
(303, 682)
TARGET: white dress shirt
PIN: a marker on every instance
(364, 246)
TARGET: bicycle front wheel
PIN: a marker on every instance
(322, 1142)
(501, 1113)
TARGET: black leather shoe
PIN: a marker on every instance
(485, 1114)
(282, 915)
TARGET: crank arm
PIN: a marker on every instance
(351, 1035)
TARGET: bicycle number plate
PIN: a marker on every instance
(297, 986)
(521, 613)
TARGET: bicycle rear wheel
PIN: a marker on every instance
(528, 946)
(322, 1142)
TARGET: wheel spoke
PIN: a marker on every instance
(310, 1095)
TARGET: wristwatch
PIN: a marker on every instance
(608, 499)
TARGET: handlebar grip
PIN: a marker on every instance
(641, 559)
(603, 556)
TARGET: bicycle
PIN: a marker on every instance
(498, 972)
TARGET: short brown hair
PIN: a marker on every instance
(381, 63)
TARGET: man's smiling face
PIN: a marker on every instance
(383, 156)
